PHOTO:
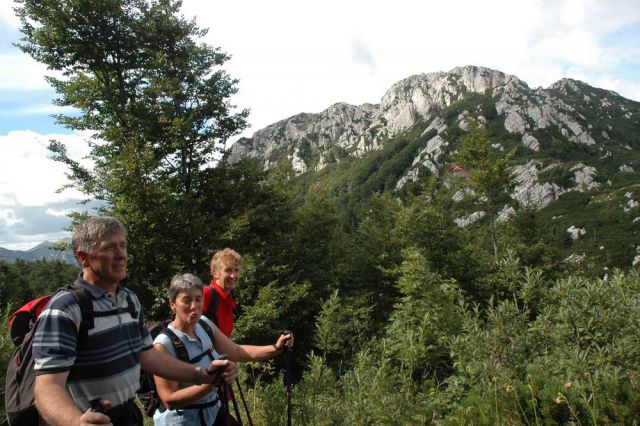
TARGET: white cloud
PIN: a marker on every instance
(48, 109)
(294, 58)
(19, 72)
(27, 176)
(58, 212)
(8, 19)
(9, 217)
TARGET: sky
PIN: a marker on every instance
(295, 56)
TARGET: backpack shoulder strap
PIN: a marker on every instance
(207, 328)
(181, 350)
(85, 301)
(208, 351)
(211, 311)
(131, 307)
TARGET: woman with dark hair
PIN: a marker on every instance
(185, 403)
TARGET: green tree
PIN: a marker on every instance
(157, 104)
(489, 175)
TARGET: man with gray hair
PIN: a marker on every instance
(87, 375)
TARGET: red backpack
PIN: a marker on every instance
(22, 321)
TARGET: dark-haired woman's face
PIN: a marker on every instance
(188, 305)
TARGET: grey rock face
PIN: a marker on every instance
(308, 138)
(359, 129)
(428, 158)
(530, 142)
(312, 141)
(529, 192)
(583, 176)
(465, 221)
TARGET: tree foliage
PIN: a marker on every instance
(489, 174)
(156, 102)
(400, 316)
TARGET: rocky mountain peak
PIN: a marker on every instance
(356, 130)
(311, 141)
(570, 138)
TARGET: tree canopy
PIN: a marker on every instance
(158, 105)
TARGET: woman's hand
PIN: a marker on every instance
(285, 340)
(219, 368)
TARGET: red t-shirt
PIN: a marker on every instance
(226, 306)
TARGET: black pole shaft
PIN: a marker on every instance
(244, 403)
(235, 405)
(225, 405)
(287, 360)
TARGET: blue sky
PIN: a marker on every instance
(293, 57)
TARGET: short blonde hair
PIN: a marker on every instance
(225, 256)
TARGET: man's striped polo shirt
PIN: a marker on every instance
(106, 363)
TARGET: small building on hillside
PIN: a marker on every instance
(457, 170)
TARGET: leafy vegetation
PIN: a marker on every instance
(400, 316)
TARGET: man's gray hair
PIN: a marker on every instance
(89, 232)
(181, 283)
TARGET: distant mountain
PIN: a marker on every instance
(43, 250)
(577, 160)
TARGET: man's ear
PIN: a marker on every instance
(83, 258)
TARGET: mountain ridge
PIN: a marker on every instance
(43, 251)
(569, 137)
(361, 128)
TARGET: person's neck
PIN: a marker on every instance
(226, 293)
(185, 327)
(92, 279)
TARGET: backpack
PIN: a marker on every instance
(147, 393)
(18, 391)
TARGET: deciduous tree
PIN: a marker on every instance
(157, 103)
(489, 175)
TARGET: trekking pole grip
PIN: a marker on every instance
(287, 333)
(218, 370)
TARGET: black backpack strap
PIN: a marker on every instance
(209, 351)
(131, 307)
(85, 301)
(181, 350)
(212, 310)
(207, 328)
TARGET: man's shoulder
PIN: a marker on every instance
(63, 299)
(128, 293)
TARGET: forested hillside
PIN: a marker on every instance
(571, 151)
(405, 309)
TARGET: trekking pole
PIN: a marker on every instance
(235, 405)
(225, 405)
(246, 409)
(287, 380)
(224, 409)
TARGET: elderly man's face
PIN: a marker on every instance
(106, 262)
